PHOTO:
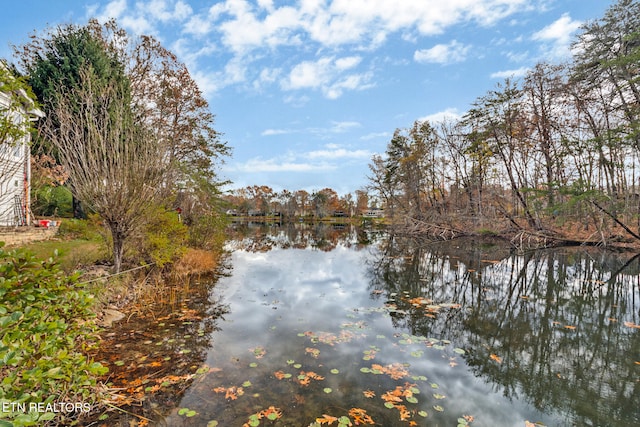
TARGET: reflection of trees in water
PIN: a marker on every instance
(555, 318)
(263, 237)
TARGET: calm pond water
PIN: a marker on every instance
(331, 322)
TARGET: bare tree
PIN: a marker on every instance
(113, 161)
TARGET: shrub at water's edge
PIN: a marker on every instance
(47, 327)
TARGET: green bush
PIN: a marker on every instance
(163, 239)
(86, 229)
(45, 332)
(207, 231)
(52, 201)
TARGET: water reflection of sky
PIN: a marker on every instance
(277, 295)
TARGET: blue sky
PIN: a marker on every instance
(307, 91)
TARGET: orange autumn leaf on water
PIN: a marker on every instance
(279, 375)
(631, 325)
(496, 358)
(395, 370)
(326, 419)
(314, 352)
(369, 393)
(233, 393)
(360, 416)
(392, 396)
(305, 377)
(404, 412)
(314, 376)
(230, 392)
(272, 412)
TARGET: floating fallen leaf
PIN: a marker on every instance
(360, 416)
(258, 352)
(314, 352)
(631, 325)
(326, 419)
(370, 393)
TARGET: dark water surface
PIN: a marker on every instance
(334, 322)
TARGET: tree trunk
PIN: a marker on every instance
(118, 238)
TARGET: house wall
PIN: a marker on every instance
(14, 179)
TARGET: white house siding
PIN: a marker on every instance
(14, 179)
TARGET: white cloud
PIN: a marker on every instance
(443, 53)
(338, 153)
(348, 62)
(113, 9)
(142, 18)
(375, 135)
(505, 74)
(556, 37)
(310, 74)
(198, 26)
(449, 114)
(241, 29)
(340, 127)
(272, 132)
(159, 10)
(336, 127)
(138, 24)
(258, 165)
(327, 74)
